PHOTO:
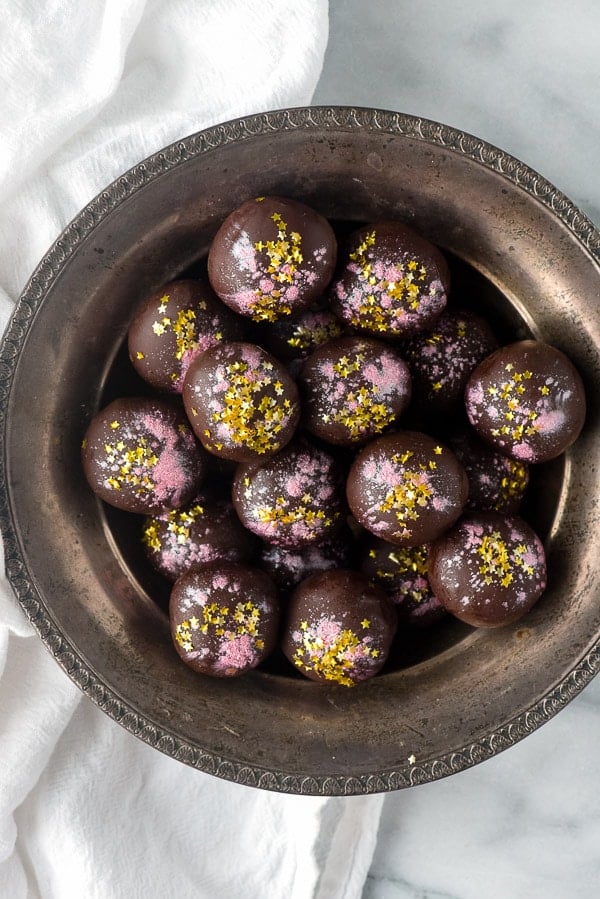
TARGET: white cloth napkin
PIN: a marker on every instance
(87, 810)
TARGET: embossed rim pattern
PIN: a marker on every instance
(20, 578)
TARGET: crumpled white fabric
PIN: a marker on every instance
(87, 810)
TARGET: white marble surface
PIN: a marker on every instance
(525, 77)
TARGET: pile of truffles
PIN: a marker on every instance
(330, 451)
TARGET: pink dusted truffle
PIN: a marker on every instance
(241, 402)
(140, 455)
(406, 488)
(174, 326)
(352, 389)
(392, 284)
(527, 400)
(292, 499)
(497, 483)
(271, 258)
(288, 567)
(489, 569)
(224, 618)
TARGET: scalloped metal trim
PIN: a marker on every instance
(302, 118)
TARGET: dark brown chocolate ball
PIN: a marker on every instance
(393, 283)
(224, 618)
(241, 401)
(174, 326)
(402, 572)
(353, 388)
(441, 360)
(527, 400)
(496, 482)
(206, 530)
(140, 455)
(272, 257)
(489, 569)
(295, 338)
(338, 627)
(292, 499)
(406, 488)
(288, 567)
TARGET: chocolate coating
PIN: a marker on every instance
(393, 283)
(272, 257)
(174, 326)
(295, 338)
(292, 499)
(496, 482)
(406, 488)
(402, 573)
(206, 530)
(353, 388)
(224, 618)
(288, 567)
(489, 569)
(527, 400)
(140, 455)
(338, 627)
(442, 359)
(241, 401)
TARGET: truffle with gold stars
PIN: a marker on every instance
(489, 569)
(406, 488)
(175, 325)
(338, 627)
(288, 567)
(271, 258)
(392, 282)
(224, 618)
(353, 388)
(241, 402)
(140, 455)
(497, 483)
(528, 400)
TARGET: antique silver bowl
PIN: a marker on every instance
(519, 251)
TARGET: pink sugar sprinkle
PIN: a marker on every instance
(237, 654)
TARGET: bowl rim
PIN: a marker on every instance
(323, 118)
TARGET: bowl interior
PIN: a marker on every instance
(448, 699)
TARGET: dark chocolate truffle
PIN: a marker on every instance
(292, 499)
(402, 572)
(207, 530)
(224, 618)
(489, 569)
(272, 257)
(442, 359)
(352, 389)
(393, 284)
(527, 400)
(338, 627)
(496, 482)
(173, 327)
(292, 339)
(406, 488)
(288, 567)
(140, 455)
(241, 401)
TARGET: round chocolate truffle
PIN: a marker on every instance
(442, 359)
(406, 488)
(352, 389)
(288, 567)
(140, 455)
(224, 618)
(272, 257)
(527, 400)
(173, 327)
(496, 482)
(489, 569)
(206, 530)
(338, 627)
(402, 572)
(293, 339)
(393, 283)
(241, 401)
(292, 499)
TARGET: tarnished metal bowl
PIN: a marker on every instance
(518, 249)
